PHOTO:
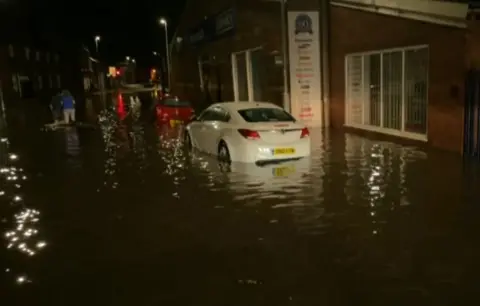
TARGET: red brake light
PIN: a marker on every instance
(305, 133)
(249, 134)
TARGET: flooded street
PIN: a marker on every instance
(120, 214)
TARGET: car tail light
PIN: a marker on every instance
(249, 134)
(305, 133)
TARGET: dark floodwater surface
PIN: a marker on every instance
(120, 215)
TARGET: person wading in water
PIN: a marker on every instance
(56, 107)
(68, 107)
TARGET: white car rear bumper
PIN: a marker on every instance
(252, 151)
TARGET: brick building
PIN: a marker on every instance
(94, 72)
(29, 73)
(392, 67)
(220, 53)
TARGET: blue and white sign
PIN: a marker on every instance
(305, 77)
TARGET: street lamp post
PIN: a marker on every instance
(97, 40)
(164, 23)
(283, 20)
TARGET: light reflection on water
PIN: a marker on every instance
(19, 221)
(354, 222)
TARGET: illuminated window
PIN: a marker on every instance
(37, 56)
(386, 91)
(10, 51)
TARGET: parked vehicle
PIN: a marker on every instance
(248, 132)
(174, 111)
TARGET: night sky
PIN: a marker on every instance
(126, 27)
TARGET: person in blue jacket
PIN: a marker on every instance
(68, 107)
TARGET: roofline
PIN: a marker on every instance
(443, 13)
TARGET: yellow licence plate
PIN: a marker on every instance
(283, 151)
(283, 171)
(174, 123)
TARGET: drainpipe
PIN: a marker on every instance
(325, 46)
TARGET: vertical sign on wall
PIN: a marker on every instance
(305, 83)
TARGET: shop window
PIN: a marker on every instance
(247, 76)
(241, 76)
(386, 91)
(416, 78)
(392, 90)
(255, 62)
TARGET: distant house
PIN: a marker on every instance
(92, 70)
(29, 73)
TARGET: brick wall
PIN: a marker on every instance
(357, 31)
(258, 25)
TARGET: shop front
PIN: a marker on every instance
(230, 56)
(402, 71)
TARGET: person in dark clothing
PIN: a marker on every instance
(68, 103)
(56, 107)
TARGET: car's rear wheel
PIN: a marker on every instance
(223, 152)
(188, 142)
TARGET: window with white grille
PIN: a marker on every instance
(386, 91)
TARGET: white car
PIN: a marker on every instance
(248, 132)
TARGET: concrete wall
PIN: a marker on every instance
(357, 31)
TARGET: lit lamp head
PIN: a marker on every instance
(97, 38)
(163, 21)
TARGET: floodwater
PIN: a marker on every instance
(121, 215)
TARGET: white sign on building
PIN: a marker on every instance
(305, 82)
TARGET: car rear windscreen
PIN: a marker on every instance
(265, 115)
(175, 103)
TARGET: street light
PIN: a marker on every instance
(127, 58)
(97, 40)
(164, 23)
(133, 60)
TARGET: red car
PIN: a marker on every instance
(174, 111)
